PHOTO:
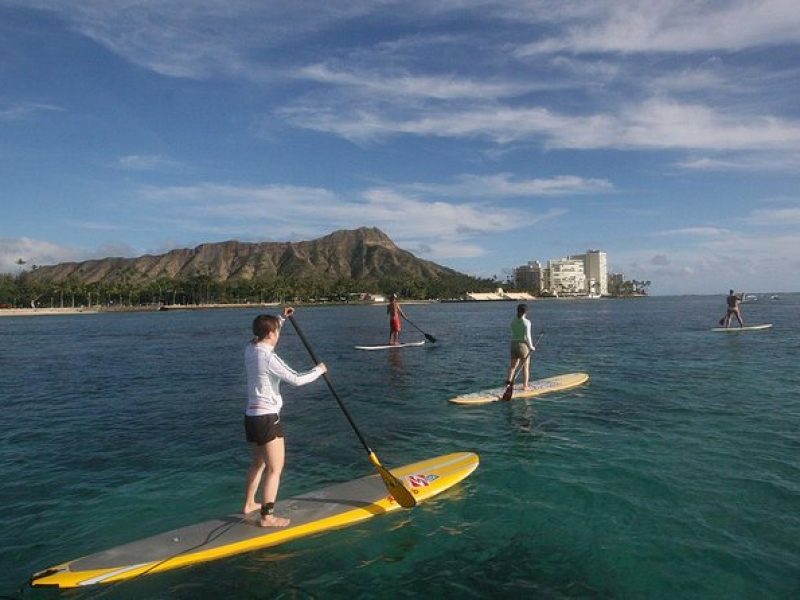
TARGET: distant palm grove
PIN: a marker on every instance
(25, 290)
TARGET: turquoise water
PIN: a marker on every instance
(675, 473)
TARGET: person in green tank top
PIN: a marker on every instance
(521, 346)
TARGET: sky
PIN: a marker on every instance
(478, 134)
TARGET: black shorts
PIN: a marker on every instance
(262, 429)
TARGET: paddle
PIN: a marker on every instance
(428, 337)
(393, 484)
(509, 391)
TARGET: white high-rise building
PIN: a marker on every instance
(595, 264)
(578, 275)
(567, 276)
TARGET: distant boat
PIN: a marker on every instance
(774, 297)
(750, 298)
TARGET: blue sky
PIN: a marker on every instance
(479, 134)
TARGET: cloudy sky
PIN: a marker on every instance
(479, 134)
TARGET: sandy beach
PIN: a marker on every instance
(34, 312)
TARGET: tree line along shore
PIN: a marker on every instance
(22, 291)
(22, 296)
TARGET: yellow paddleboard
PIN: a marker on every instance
(537, 388)
(332, 507)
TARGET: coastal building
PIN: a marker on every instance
(530, 277)
(595, 266)
(567, 276)
(576, 275)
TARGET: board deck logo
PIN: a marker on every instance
(421, 480)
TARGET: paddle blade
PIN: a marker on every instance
(508, 393)
(396, 488)
(430, 338)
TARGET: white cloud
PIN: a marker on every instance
(440, 87)
(695, 232)
(503, 185)
(365, 92)
(447, 229)
(755, 161)
(22, 110)
(266, 200)
(669, 26)
(654, 124)
(446, 250)
(775, 216)
(203, 39)
(96, 225)
(764, 262)
(145, 162)
(33, 252)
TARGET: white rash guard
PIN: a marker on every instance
(265, 371)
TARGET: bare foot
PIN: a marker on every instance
(251, 507)
(273, 521)
(526, 388)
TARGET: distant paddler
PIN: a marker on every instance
(521, 348)
(395, 311)
(733, 302)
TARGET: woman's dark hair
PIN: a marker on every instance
(521, 309)
(263, 325)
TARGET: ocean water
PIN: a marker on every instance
(674, 473)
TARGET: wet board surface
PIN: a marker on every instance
(391, 346)
(538, 388)
(733, 329)
(328, 508)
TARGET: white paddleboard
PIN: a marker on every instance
(389, 346)
(537, 388)
(733, 328)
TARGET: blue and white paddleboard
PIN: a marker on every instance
(733, 328)
(390, 346)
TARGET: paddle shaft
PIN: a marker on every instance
(330, 385)
(429, 337)
(395, 487)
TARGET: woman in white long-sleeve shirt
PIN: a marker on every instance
(262, 420)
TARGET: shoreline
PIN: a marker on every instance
(49, 312)
(96, 310)
(34, 312)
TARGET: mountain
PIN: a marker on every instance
(361, 254)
